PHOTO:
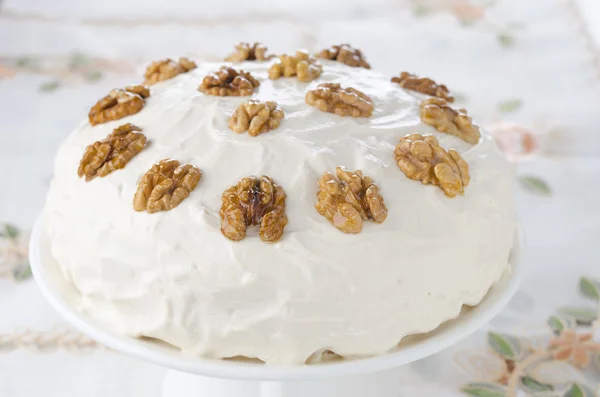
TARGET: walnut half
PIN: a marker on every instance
(437, 113)
(422, 158)
(254, 201)
(349, 199)
(165, 185)
(249, 52)
(119, 103)
(228, 82)
(332, 98)
(344, 53)
(423, 85)
(301, 65)
(112, 153)
(166, 69)
(256, 117)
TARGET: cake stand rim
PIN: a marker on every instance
(228, 369)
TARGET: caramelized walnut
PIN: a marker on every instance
(253, 201)
(437, 113)
(349, 199)
(256, 117)
(332, 98)
(166, 69)
(228, 82)
(422, 158)
(301, 65)
(140, 90)
(112, 153)
(423, 85)
(119, 103)
(187, 64)
(165, 185)
(249, 52)
(346, 54)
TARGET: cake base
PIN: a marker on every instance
(191, 376)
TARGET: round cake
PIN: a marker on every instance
(294, 280)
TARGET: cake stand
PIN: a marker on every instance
(191, 376)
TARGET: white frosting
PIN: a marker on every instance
(173, 275)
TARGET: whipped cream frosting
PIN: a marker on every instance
(173, 276)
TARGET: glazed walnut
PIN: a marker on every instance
(346, 54)
(249, 52)
(301, 65)
(113, 153)
(165, 185)
(254, 201)
(437, 113)
(119, 103)
(423, 85)
(256, 117)
(332, 98)
(422, 158)
(349, 200)
(140, 90)
(166, 69)
(228, 82)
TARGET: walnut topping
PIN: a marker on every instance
(437, 113)
(166, 69)
(349, 199)
(228, 82)
(253, 201)
(301, 65)
(165, 185)
(113, 153)
(249, 52)
(423, 85)
(346, 54)
(256, 117)
(332, 98)
(187, 64)
(422, 158)
(140, 90)
(119, 103)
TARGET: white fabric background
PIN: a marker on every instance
(552, 67)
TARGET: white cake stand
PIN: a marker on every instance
(190, 376)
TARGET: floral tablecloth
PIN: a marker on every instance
(527, 70)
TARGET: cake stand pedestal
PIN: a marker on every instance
(380, 384)
(195, 377)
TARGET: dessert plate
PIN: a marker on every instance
(194, 376)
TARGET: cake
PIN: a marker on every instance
(373, 209)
